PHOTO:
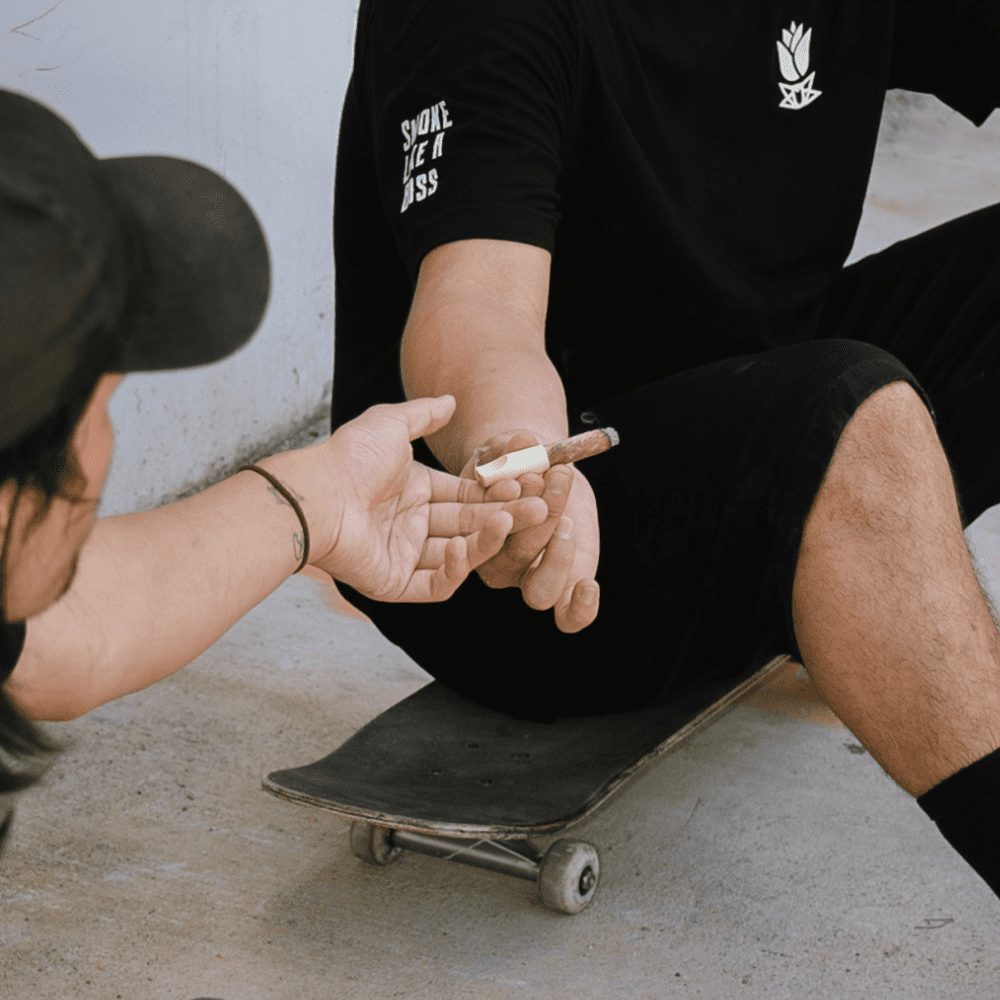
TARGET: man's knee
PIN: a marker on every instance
(893, 420)
(887, 457)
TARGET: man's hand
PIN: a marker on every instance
(406, 532)
(555, 562)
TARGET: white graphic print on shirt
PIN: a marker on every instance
(429, 122)
(793, 61)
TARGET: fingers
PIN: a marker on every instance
(523, 547)
(461, 555)
(544, 582)
(446, 488)
(486, 543)
(578, 606)
(433, 585)
(541, 556)
(532, 484)
(503, 489)
(447, 519)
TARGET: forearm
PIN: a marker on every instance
(476, 330)
(496, 388)
(154, 590)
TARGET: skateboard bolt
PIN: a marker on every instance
(587, 881)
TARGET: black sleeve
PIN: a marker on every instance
(951, 50)
(468, 103)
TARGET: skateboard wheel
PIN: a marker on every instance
(567, 878)
(373, 844)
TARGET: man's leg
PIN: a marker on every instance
(893, 626)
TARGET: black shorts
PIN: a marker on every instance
(702, 505)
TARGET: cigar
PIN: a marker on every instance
(542, 457)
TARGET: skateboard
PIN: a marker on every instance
(440, 775)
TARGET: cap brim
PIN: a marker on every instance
(204, 272)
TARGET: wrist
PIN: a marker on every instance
(317, 519)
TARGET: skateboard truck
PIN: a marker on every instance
(566, 873)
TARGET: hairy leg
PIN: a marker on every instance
(889, 615)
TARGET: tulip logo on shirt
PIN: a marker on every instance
(797, 91)
(431, 122)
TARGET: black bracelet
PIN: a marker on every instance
(295, 505)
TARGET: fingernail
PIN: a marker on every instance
(565, 528)
(588, 593)
(559, 482)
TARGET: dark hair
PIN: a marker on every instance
(41, 462)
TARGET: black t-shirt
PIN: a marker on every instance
(696, 169)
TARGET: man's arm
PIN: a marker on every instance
(476, 330)
(477, 325)
(152, 591)
(155, 589)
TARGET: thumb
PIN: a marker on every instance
(426, 415)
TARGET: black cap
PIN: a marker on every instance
(157, 263)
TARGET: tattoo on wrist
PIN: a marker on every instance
(279, 496)
(284, 495)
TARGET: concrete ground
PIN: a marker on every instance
(767, 858)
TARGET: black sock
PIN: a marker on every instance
(966, 808)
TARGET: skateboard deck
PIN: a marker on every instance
(436, 770)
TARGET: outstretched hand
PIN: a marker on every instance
(406, 532)
(552, 561)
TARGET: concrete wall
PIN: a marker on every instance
(931, 165)
(251, 88)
